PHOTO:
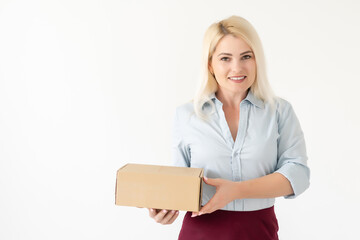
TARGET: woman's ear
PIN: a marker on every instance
(210, 69)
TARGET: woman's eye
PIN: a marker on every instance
(246, 57)
(224, 59)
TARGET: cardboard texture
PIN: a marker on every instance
(161, 187)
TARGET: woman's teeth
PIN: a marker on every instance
(237, 78)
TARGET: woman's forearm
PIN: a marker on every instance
(269, 186)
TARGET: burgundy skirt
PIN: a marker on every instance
(231, 225)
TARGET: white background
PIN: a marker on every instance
(88, 86)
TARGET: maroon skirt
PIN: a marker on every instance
(231, 225)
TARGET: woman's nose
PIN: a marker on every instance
(237, 65)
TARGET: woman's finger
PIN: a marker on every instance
(168, 217)
(152, 212)
(160, 216)
(173, 217)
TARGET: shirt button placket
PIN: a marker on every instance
(236, 174)
(236, 166)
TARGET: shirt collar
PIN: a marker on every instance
(250, 98)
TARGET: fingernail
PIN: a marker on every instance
(177, 212)
(206, 178)
(152, 210)
(201, 213)
(172, 211)
(164, 211)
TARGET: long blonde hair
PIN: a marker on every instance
(238, 27)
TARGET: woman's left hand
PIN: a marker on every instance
(225, 193)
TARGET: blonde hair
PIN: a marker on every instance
(238, 27)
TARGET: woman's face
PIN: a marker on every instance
(233, 64)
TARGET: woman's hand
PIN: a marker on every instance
(225, 193)
(163, 216)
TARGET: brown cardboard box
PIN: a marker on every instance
(161, 187)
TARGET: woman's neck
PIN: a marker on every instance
(230, 99)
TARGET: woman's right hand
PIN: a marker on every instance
(163, 216)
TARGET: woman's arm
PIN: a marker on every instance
(269, 186)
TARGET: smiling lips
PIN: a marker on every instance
(237, 78)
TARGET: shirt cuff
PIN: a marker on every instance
(298, 176)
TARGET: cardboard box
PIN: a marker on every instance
(161, 187)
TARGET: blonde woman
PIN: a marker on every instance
(248, 141)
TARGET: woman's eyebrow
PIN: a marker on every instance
(229, 54)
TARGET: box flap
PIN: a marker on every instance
(201, 174)
(166, 170)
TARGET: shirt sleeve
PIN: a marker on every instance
(292, 157)
(180, 151)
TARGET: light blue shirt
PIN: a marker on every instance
(268, 140)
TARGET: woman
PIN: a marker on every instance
(248, 141)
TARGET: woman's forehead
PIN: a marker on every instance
(232, 44)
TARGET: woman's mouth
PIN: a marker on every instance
(237, 79)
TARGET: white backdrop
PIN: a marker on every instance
(87, 86)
